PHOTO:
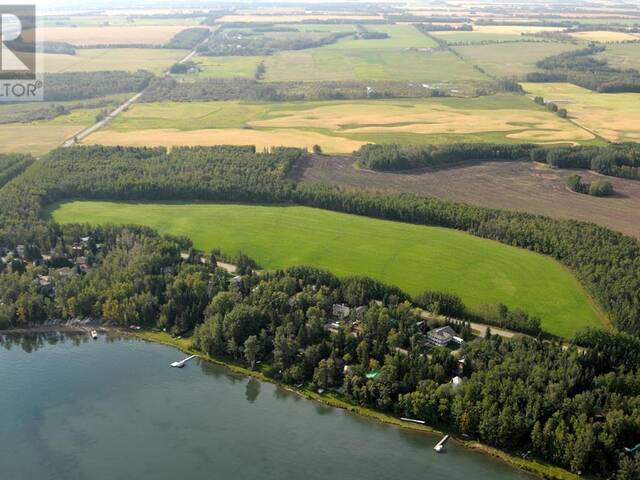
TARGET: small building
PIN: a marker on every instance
(21, 250)
(340, 310)
(237, 281)
(456, 381)
(360, 311)
(441, 337)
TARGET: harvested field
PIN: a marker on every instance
(39, 138)
(613, 116)
(169, 137)
(604, 36)
(428, 118)
(622, 55)
(155, 60)
(289, 18)
(341, 126)
(521, 186)
(119, 35)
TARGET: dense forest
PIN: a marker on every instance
(607, 263)
(218, 89)
(13, 165)
(616, 160)
(582, 68)
(188, 38)
(226, 41)
(84, 85)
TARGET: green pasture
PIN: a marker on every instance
(412, 257)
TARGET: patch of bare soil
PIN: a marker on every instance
(520, 186)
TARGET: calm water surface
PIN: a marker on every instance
(73, 408)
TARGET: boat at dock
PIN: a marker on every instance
(440, 445)
(182, 363)
(94, 334)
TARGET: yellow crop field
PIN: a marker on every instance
(155, 60)
(290, 18)
(117, 35)
(604, 36)
(262, 139)
(613, 116)
(427, 118)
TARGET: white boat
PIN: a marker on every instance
(177, 364)
(94, 334)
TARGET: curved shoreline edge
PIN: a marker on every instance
(535, 467)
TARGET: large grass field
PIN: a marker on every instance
(340, 126)
(412, 257)
(622, 55)
(513, 59)
(407, 55)
(613, 116)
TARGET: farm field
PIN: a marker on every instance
(112, 35)
(622, 55)
(480, 271)
(340, 126)
(117, 20)
(613, 116)
(605, 36)
(40, 137)
(511, 59)
(289, 18)
(226, 67)
(322, 64)
(383, 59)
(526, 187)
(155, 60)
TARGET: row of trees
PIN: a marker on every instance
(617, 160)
(218, 89)
(607, 263)
(188, 38)
(12, 165)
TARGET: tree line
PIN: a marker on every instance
(616, 160)
(84, 85)
(607, 263)
(12, 165)
(582, 68)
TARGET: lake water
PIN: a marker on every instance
(74, 408)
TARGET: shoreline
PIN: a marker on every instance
(537, 468)
(534, 467)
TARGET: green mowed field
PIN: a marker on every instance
(514, 59)
(412, 257)
(225, 67)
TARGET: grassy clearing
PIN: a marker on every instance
(511, 59)
(112, 35)
(227, 67)
(614, 116)
(155, 60)
(410, 256)
(340, 126)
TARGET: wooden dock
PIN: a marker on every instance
(182, 363)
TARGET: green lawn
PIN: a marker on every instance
(410, 256)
